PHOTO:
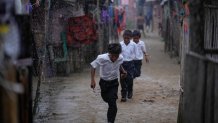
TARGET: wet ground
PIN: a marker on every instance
(155, 99)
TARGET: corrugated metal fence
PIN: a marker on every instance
(211, 31)
(200, 97)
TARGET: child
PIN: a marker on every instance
(141, 52)
(140, 24)
(109, 64)
(129, 50)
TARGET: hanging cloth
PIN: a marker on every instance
(105, 16)
(81, 30)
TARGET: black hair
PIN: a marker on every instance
(127, 33)
(136, 33)
(114, 48)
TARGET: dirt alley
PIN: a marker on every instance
(155, 99)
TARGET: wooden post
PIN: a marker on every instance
(10, 101)
(100, 40)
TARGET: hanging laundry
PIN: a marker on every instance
(120, 19)
(105, 16)
(111, 11)
(81, 30)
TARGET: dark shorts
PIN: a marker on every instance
(109, 89)
(130, 68)
(138, 65)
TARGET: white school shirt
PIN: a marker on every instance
(141, 50)
(129, 51)
(108, 70)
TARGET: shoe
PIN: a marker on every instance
(130, 95)
(123, 100)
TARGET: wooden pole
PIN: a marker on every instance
(100, 40)
(10, 100)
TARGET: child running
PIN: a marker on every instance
(110, 65)
(140, 54)
(129, 51)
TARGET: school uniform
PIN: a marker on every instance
(128, 52)
(139, 57)
(109, 72)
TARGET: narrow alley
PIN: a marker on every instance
(46, 47)
(155, 98)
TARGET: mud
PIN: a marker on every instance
(155, 98)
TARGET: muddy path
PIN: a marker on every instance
(155, 98)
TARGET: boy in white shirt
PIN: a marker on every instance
(129, 50)
(110, 65)
(141, 52)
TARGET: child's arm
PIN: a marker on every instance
(122, 70)
(93, 83)
(94, 65)
(145, 53)
(146, 57)
(123, 73)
